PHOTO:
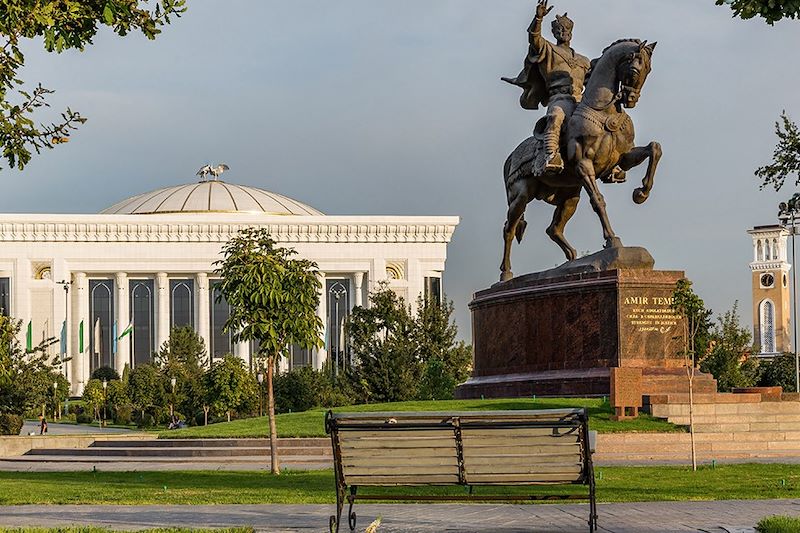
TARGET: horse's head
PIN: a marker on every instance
(632, 72)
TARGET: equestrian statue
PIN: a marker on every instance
(584, 136)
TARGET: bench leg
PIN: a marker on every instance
(336, 519)
(351, 516)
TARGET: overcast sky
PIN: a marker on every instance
(396, 107)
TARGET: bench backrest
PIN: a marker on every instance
(466, 448)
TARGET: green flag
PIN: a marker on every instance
(29, 338)
(126, 331)
(80, 337)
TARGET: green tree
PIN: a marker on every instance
(447, 362)
(117, 401)
(687, 304)
(273, 300)
(779, 372)
(230, 387)
(26, 379)
(146, 392)
(785, 158)
(62, 25)
(387, 366)
(727, 358)
(104, 373)
(93, 397)
(183, 357)
(770, 10)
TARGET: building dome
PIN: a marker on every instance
(211, 196)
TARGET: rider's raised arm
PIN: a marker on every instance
(537, 42)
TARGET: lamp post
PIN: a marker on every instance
(260, 377)
(55, 400)
(172, 382)
(787, 214)
(105, 386)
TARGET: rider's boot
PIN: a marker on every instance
(552, 135)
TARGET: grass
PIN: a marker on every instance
(311, 423)
(614, 484)
(93, 529)
(779, 524)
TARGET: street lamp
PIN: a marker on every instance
(172, 382)
(787, 214)
(55, 400)
(105, 386)
(260, 377)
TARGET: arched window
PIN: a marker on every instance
(101, 309)
(338, 311)
(181, 303)
(767, 326)
(767, 252)
(221, 342)
(775, 249)
(760, 251)
(143, 336)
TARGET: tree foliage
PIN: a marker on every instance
(697, 326)
(770, 10)
(230, 387)
(62, 25)
(785, 158)
(728, 357)
(273, 299)
(26, 379)
(183, 357)
(779, 372)
(146, 392)
(401, 356)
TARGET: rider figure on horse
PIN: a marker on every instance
(553, 75)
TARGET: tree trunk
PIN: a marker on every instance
(273, 431)
(691, 417)
(229, 415)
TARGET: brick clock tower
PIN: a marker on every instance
(772, 313)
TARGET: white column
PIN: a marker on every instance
(358, 282)
(242, 351)
(322, 312)
(79, 296)
(203, 309)
(122, 312)
(162, 316)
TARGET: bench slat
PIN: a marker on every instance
(512, 479)
(524, 460)
(520, 441)
(489, 451)
(388, 481)
(558, 468)
(389, 433)
(397, 442)
(518, 432)
(399, 460)
(403, 470)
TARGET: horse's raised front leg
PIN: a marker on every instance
(516, 209)
(634, 158)
(585, 170)
(566, 205)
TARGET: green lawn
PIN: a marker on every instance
(311, 423)
(614, 484)
(779, 524)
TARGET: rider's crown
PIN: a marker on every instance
(564, 21)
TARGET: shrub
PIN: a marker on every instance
(123, 415)
(779, 372)
(297, 390)
(778, 524)
(104, 372)
(10, 424)
(84, 418)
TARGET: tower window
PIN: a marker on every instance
(767, 323)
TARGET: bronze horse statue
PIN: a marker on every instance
(597, 143)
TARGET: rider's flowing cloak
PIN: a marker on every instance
(530, 80)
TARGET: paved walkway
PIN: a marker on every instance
(726, 516)
(54, 428)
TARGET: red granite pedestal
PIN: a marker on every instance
(559, 335)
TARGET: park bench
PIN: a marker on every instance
(469, 449)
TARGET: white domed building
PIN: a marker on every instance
(148, 261)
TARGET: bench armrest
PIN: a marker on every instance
(592, 441)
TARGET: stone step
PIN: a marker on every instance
(742, 427)
(673, 386)
(213, 443)
(304, 459)
(760, 409)
(747, 418)
(686, 455)
(176, 452)
(716, 398)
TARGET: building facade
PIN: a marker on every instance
(772, 332)
(148, 263)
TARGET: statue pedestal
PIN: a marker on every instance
(558, 333)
